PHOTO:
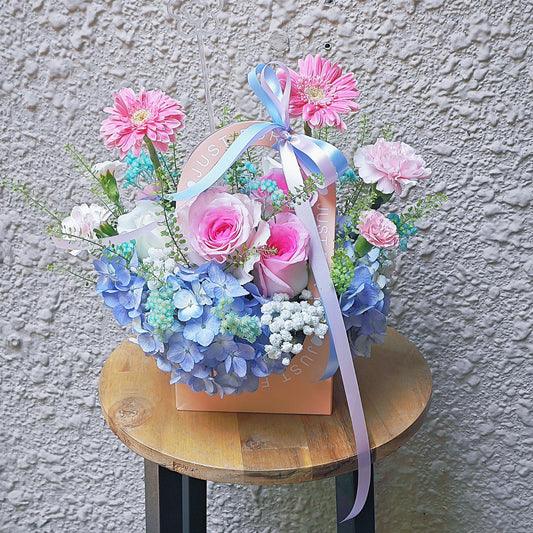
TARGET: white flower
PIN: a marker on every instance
(286, 347)
(117, 168)
(145, 212)
(321, 330)
(82, 222)
(272, 352)
(276, 339)
(308, 330)
(266, 308)
(285, 314)
(297, 348)
(276, 325)
(266, 320)
(286, 361)
(286, 335)
(306, 294)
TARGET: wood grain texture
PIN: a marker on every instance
(138, 404)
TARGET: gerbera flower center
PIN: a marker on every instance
(314, 94)
(140, 116)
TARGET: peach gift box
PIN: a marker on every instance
(299, 390)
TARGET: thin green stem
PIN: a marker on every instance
(57, 268)
(152, 153)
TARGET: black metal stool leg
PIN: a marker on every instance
(345, 486)
(175, 503)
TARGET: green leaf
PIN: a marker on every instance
(109, 185)
(105, 230)
(362, 246)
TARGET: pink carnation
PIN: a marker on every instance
(217, 224)
(378, 230)
(285, 271)
(390, 165)
(320, 93)
(152, 113)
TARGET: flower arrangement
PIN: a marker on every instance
(215, 286)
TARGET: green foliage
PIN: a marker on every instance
(87, 280)
(177, 245)
(422, 208)
(387, 132)
(172, 163)
(323, 134)
(239, 257)
(105, 230)
(100, 187)
(32, 197)
(242, 172)
(226, 118)
(364, 131)
(109, 186)
(341, 270)
(354, 198)
(305, 192)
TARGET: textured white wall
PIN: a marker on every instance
(454, 79)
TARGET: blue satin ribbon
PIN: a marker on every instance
(302, 153)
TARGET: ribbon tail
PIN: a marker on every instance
(241, 143)
(320, 268)
(333, 363)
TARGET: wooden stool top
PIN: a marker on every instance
(261, 449)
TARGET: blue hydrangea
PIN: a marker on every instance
(187, 304)
(202, 329)
(237, 359)
(183, 352)
(122, 291)
(365, 305)
(180, 323)
(219, 284)
(150, 341)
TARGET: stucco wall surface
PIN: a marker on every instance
(454, 80)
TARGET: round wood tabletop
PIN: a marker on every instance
(261, 449)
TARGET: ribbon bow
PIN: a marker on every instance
(312, 155)
(300, 153)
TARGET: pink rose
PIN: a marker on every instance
(378, 230)
(216, 224)
(390, 165)
(286, 271)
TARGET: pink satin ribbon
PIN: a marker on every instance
(320, 268)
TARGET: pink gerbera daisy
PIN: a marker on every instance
(320, 92)
(152, 113)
